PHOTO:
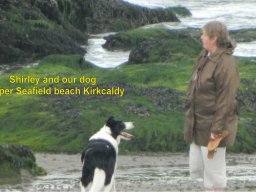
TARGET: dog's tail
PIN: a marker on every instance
(98, 180)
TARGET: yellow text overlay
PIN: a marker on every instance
(83, 85)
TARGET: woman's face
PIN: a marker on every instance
(209, 43)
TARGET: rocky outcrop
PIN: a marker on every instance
(49, 8)
(155, 45)
(32, 29)
(116, 15)
(243, 35)
(141, 53)
(15, 159)
(143, 43)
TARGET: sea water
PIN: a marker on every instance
(235, 14)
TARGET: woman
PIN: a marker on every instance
(212, 105)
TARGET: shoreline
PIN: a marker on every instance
(144, 172)
(153, 171)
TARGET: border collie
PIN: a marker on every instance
(100, 156)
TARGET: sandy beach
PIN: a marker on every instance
(143, 172)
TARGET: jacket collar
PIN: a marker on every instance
(218, 53)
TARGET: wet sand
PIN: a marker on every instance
(141, 172)
(154, 171)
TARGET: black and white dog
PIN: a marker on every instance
(100, 156)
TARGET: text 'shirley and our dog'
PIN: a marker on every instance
(57, 79)
(90, 89)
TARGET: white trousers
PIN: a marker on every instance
(213, 171)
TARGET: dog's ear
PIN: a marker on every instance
(110, 122)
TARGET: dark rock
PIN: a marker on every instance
(182, 11)
(115, 42)
(14, 158)
(32, 29)
(49, 8)
(115, 15)
(141, 53)
(30, 36)
(163, 47)
(243, 35)
(8, 3)
(35, 43)
(132, 38)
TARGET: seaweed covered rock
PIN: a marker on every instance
(243, 35)
(30, 30)
(155, 45)
(115, 15)
(49, 8)
(17, 158)
(141, 53)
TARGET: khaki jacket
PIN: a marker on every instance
(212, 104)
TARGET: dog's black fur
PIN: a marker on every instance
(98, 154)
(101, 152)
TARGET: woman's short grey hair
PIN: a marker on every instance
(219, 30)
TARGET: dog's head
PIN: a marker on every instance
(117, 128)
